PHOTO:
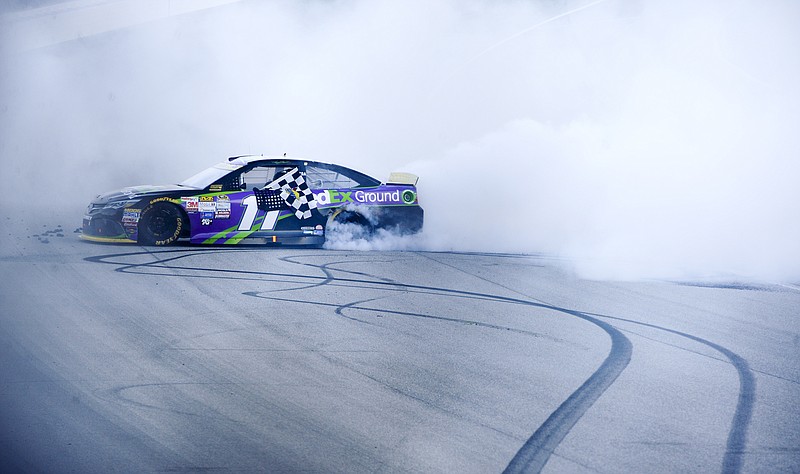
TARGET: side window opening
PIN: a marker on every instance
(258, 177)
(228, 183)
(321, 178)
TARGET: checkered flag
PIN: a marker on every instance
(269, 200)
(295, 192)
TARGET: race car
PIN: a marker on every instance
(256, 199)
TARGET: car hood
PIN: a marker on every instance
(137, 192)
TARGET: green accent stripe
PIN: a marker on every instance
(235, 238)
(220, 235)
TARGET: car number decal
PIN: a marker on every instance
(250, 204)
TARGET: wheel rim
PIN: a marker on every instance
(161, 224)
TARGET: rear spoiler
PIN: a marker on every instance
(397, 177)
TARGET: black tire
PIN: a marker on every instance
(355, 220)
(161, 223)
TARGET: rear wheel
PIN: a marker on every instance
(353, 224)
(160, 224)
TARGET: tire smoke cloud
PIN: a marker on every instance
(636, 138)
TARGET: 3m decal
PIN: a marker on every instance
(190, 204)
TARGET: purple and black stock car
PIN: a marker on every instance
(255, 199)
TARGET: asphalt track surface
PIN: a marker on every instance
(187, 359)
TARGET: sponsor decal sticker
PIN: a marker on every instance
(311, 230)
(207, 206)
(334, 197)
(374, 197)
(130, 217)
(162, 199)
(206, 221)
(215, 188)
(316, 230)
(222, 214)
(190, 204)
(380, 196)
(206, 198)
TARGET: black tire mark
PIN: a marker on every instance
(116, 395)
(538, 445)
(535, 453)
(326, 270)
(355, 305)
(231, 274)
(737, 434)
(292, 259)
(338, 308)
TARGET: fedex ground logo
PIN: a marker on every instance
(379, 196)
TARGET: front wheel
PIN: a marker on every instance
(161, 224)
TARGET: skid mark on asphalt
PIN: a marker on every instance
(539, 447)
(119, 394)
(534, 454)
(737, 435)
(536, 451)
(339, 308)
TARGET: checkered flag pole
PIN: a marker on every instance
(295, 192)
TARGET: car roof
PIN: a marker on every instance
(245, 160)
(248, 159)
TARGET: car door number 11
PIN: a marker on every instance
(249, 217)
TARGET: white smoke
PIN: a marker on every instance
(639, 138)
(673, 154)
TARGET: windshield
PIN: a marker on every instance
(209, 176)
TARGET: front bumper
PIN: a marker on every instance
(101, 228)
(109, 222)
